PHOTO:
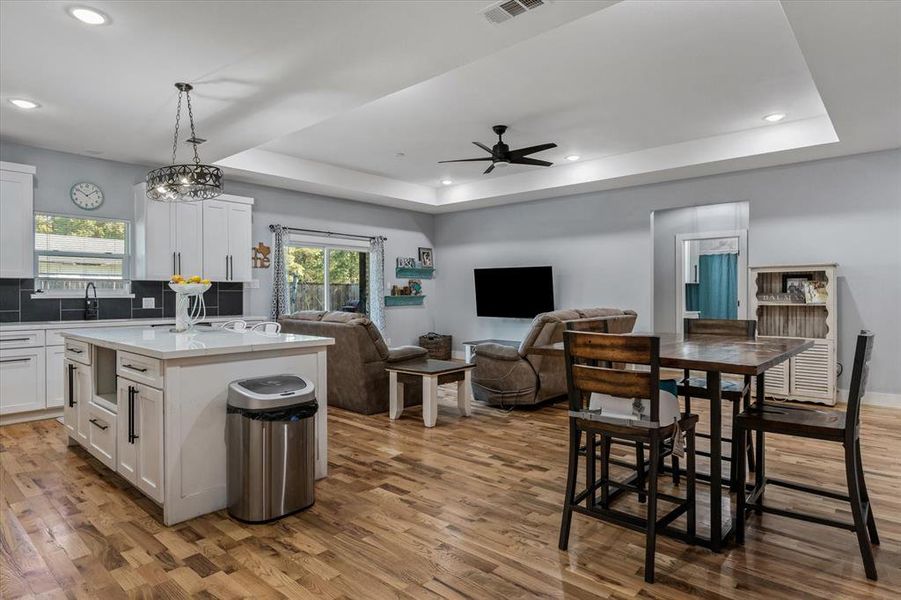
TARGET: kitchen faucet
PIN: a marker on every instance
(90, 306)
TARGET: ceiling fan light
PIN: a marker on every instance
(572, 157)
(774, 117)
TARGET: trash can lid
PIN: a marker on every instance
(274, 385)
(270, 392)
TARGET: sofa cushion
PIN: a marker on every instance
(402, 353)
(374, 334)
(308, 315)
(341, 317)
(542, 328)
(598, 312)
(497, 351)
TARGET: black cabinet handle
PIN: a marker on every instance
(74, 350)
(15, 360)
(134, 368)
(131, 414)
(96, 423)
(72, 401)
(24, 339)
(179, 262)
(174, 267)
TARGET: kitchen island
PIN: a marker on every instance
(150, 403)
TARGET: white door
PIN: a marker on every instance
(70, 408)
(188, 227)
(56, 376)
(812, 372)
(16, 224)
(126, 449)
(84, 391)
(148, 420)
(21, 380)
(215, 240)
(239, 241)
(160, 256)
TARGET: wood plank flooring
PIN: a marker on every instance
(469, 509)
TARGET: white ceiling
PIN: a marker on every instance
(321, 96)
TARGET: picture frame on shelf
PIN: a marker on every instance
(415, 286)
(796, 287)
(426, 258)
(406, 262)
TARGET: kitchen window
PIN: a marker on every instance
(71, 251)
(327, 276)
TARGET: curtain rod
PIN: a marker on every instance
(332, 233)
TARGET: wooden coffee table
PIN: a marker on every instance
(432, 373)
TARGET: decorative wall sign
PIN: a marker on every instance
(403, 261)
(261, 256)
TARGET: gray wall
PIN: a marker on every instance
(845, 210)
(406, 230)
(669, 223)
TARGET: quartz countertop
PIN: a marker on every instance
(26, 325)
(164, 344)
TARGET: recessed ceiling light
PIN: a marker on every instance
(23, 103)
(446, 181)
(88, 16)
(572, 157)
(400, 155)
(774, 117)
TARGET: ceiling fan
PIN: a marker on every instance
(501, 155)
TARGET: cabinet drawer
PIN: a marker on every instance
(21, 380)
(102, 434)
(78, 351)
(141, 369)
(22, 339)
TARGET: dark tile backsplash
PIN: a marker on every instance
(16, 304)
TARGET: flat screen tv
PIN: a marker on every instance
(514, 292)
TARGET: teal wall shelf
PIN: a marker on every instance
(404, 300)
(415, 272)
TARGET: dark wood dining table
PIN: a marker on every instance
(716, 355)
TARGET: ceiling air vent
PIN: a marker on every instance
(507, 9)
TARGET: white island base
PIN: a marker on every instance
(174, 448)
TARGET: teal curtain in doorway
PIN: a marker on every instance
(718, 286)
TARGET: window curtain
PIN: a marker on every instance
(718, 286)
(279, 273)
(377, 282)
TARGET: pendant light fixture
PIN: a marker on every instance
(184, 182)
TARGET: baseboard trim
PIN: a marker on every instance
(873, 399)
(37, 415)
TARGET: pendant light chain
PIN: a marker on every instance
(191, 119)
(177, 118)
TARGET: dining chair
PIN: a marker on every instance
(832, 426)
(652, 415)
(732, 391)
(623, 324)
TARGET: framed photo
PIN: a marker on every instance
(425, 257)
(415, 286)
(406, 262)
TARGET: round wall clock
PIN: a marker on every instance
(86, 195)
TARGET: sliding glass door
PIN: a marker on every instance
(327, 278)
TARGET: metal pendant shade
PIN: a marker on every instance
(189, 181)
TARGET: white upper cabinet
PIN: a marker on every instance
(17, 221)
(227, 238)
(168, 237)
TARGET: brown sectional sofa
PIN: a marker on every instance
(357, 379)
(511, 376)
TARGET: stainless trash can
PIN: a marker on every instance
(271, 441)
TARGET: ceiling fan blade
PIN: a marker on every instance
(489, 169)
(530, 150)
(530, 161)
(466, 160)
(484, 147)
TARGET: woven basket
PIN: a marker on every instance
(439, 346)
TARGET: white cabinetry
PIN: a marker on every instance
(56, 385)
(227, 238)
(22, 377)
(168, 237)
(78, 393)
(140, 437)
(17, 220)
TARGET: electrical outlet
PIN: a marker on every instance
(148, 302)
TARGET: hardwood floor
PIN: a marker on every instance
(469, 509)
